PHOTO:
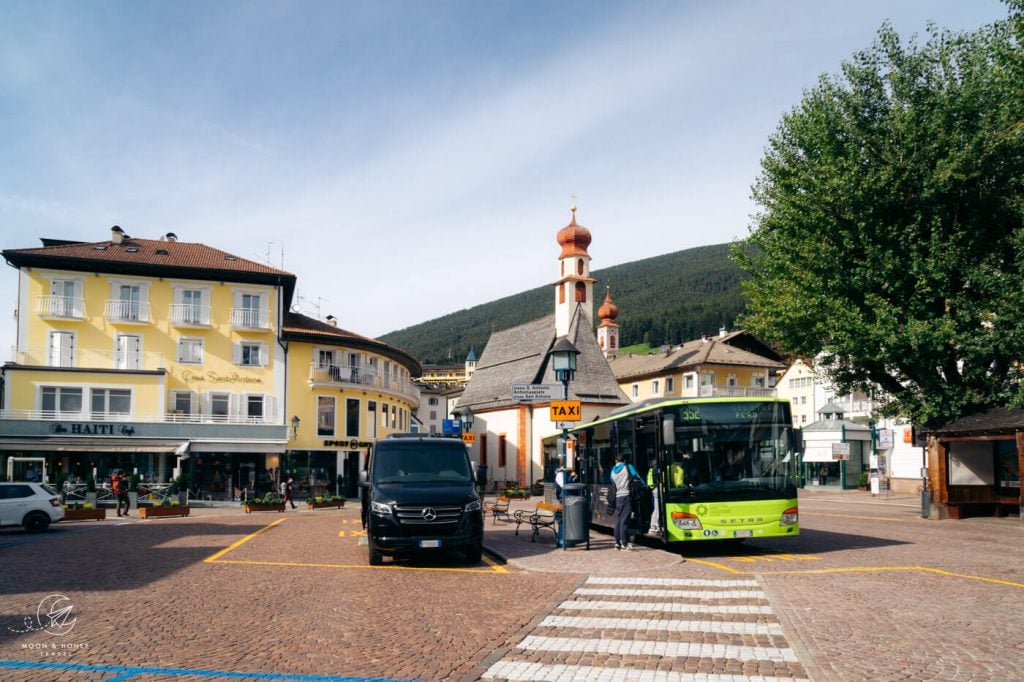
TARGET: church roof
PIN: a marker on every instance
(520, 356)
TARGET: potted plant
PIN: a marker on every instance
(77, 511)
(862, 483)
(325, 502)
(168, 507)
(90, 490)
(269, 502)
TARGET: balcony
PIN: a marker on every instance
(249, 318)
(89, 358)
(184, 315)
(134, 312)
(63, 307)
(722, 391)
(365, 377)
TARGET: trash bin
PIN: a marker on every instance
(575, 515)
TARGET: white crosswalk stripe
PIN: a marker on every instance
(747, 634)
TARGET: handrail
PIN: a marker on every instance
(121, 418)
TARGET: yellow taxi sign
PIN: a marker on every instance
(469, 438)
(566, 411)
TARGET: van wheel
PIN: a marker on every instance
(36, 522)
(474, 554)
(376, 558)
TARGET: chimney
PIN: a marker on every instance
(171, 237)
(704, 338)
(721, 332)
(117, 235)
(331, 321)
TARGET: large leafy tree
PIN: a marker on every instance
(889, 240)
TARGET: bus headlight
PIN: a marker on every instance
(790, 517)
(685, 521)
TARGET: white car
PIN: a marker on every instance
(33, 506)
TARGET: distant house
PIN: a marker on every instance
(509, 432)
(730, 364)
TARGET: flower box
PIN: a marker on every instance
(334, 504)
(254, 507)
(517, 493)
(154, 512)
(85, 514)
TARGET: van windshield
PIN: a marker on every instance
(435, 461)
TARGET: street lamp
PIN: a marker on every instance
(466, 416)
(295, 426)
(563, 361)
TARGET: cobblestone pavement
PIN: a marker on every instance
(868, 591)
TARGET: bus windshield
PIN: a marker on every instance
(732, 448)
(411, 462)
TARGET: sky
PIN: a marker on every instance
(409, 158)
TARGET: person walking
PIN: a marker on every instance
(288, 493)
(621, 475)
(119, 485)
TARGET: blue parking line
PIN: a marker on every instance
(127, 672)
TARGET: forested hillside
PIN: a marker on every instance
(665, 299)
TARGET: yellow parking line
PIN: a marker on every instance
(860, 569)
(241, 542)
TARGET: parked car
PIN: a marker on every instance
(34, 506)
(419, 496)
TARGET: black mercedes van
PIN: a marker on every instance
(419, 495)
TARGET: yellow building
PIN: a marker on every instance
(344, 392)
(732, 364)
(160, 356)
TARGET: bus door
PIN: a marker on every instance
(648, 456)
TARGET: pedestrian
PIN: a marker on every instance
(621, 475)
(288, 493)
(120, 487)
(654, 483)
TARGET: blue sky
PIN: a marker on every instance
(409, 158)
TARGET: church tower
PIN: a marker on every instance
(608, 329)
(575, 286)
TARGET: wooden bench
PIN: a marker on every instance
(542, 516)
(500, 508)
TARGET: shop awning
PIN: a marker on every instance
(817, 453)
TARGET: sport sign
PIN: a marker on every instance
(566, 411)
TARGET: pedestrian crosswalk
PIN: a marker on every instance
(656, 630)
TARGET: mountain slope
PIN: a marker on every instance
(664, 299)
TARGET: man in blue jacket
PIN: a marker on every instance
(621, 473)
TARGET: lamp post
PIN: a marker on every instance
(466, 416)
(295, 426)
(563, 361)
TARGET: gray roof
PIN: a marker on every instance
(998, 420)
(718, 350)
(835, 425)
(520, 356)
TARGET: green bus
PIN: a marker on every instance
(724, 468)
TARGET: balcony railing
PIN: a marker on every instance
(61, 306)
(720, 391)
(186, 315)
(249, 318)
(355, 375)
(126, 311)
(86, 415)
(89, 358)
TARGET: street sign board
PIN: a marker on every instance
(527, 392)
(451, 427)
(840, 451)
(469, 438)
(566, 411)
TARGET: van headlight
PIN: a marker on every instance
(473, 506)
(380, 509)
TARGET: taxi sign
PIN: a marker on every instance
(469, 438)
(566, 411)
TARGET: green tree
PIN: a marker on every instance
(889, 238)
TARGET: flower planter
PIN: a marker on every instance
(337, 504)
(85, 514)
(516, 494)
(153, 512)
(250, 508)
